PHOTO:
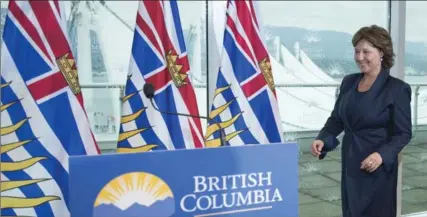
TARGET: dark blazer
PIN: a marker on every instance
(376, 121)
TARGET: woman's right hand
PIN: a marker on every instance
(317, 147)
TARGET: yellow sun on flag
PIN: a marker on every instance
(9, 201)
(128, 134)
(212, 128)
(136, 187)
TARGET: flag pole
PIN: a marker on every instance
(207, 55)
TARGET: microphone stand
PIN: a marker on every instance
(149, 93)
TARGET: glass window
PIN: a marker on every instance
(310, 44)
(101, 38)
(3, 12)
(414, 180)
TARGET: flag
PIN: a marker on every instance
(159, 57)
(244, 102)
(43, 121)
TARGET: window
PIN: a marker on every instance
(101, 38)
(310, 44)
(414, 180)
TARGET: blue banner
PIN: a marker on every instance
(250, 180)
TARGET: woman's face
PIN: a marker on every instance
(367, 57)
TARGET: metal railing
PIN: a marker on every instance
(415, 90)
(414, 86)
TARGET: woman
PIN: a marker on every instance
(373, 109)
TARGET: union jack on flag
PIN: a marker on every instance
(43, 121)
(244, 103)
(159, 57)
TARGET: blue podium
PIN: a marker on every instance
(250, 180)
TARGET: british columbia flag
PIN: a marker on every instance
(244, 102)
(43, 121)
(159, 57)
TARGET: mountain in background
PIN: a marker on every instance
(331, 49)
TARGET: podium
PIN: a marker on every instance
(250, 180)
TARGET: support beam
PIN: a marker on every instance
(397, 31)
(215, 31)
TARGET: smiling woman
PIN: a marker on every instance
(312, 44)
(368, 57)
(373, 49)
(374, 112)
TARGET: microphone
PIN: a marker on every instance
(149, 93)
(149, 90)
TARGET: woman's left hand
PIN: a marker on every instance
(372, 162)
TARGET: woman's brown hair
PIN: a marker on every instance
(379, 38)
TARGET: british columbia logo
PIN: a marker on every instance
(135, 194)
(146, 195)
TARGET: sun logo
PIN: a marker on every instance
(135, 194)
(7, 185)
(215, 127)
(128, 134)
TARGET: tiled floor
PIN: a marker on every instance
(414, 184)
(319, 188)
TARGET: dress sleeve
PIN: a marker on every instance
(333, 126)
(402, 128)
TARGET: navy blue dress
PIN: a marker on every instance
(378, 120)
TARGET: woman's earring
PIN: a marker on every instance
(381, 59)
